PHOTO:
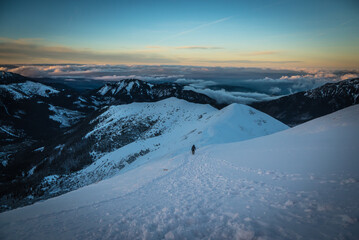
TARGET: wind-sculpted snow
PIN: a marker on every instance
(301, 183)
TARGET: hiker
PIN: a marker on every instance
(193, 149)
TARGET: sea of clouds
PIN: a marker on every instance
(225, 84)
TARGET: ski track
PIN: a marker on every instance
(205, 198)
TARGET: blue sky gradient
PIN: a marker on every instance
(282, 33)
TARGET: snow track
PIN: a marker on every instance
(202, 198)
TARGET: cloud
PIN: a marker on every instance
(83, 70)
(259, 53)
(23, 51)
(222, 96)
(249, 61)
(144, 78)
(223, 74)
(266, 80)
(275, 90)
(291, 77)
(198, 48)
(185, 47)
(197, 83)
(349, 76)
(29, 71)
(232, 79)
(325, 75)
(287, 84)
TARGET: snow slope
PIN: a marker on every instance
(65, 117)
(301, 183)
(141, 132)
(28, 89)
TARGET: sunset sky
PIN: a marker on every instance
(275, 34)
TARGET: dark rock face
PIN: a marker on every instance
(32, 110)
(304, 106)
(9, 77)
(32, 114)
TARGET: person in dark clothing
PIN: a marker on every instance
(193, 149)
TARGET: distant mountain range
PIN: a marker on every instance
(33, 111)
(304, 106)
(133, 90)
(55, 139)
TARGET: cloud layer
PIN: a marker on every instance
(223, 96)
(28, 51)
(198, 48)
(241, 85)
(35, 51)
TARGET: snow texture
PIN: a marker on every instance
(28, 89)
(31, 171)
(300, 183)
(8, 130)
(65, 117)
(40, 149)
(172, 126)
(4, 163)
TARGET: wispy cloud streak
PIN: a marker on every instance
(195, 29)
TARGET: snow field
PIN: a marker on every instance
(174, 125)
(301, 183)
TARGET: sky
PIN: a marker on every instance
(266, 34)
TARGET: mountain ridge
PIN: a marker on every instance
(272, 187)
(300, 107)
(135, 90)
(57, 144)
(124, 135)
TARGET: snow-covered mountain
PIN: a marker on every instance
(48, 118)
(300, 183)
(304, 106)
(33, 112)
(55, 140)
(125, 136)
(27, 90)
(27, 106)
(133, 90)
